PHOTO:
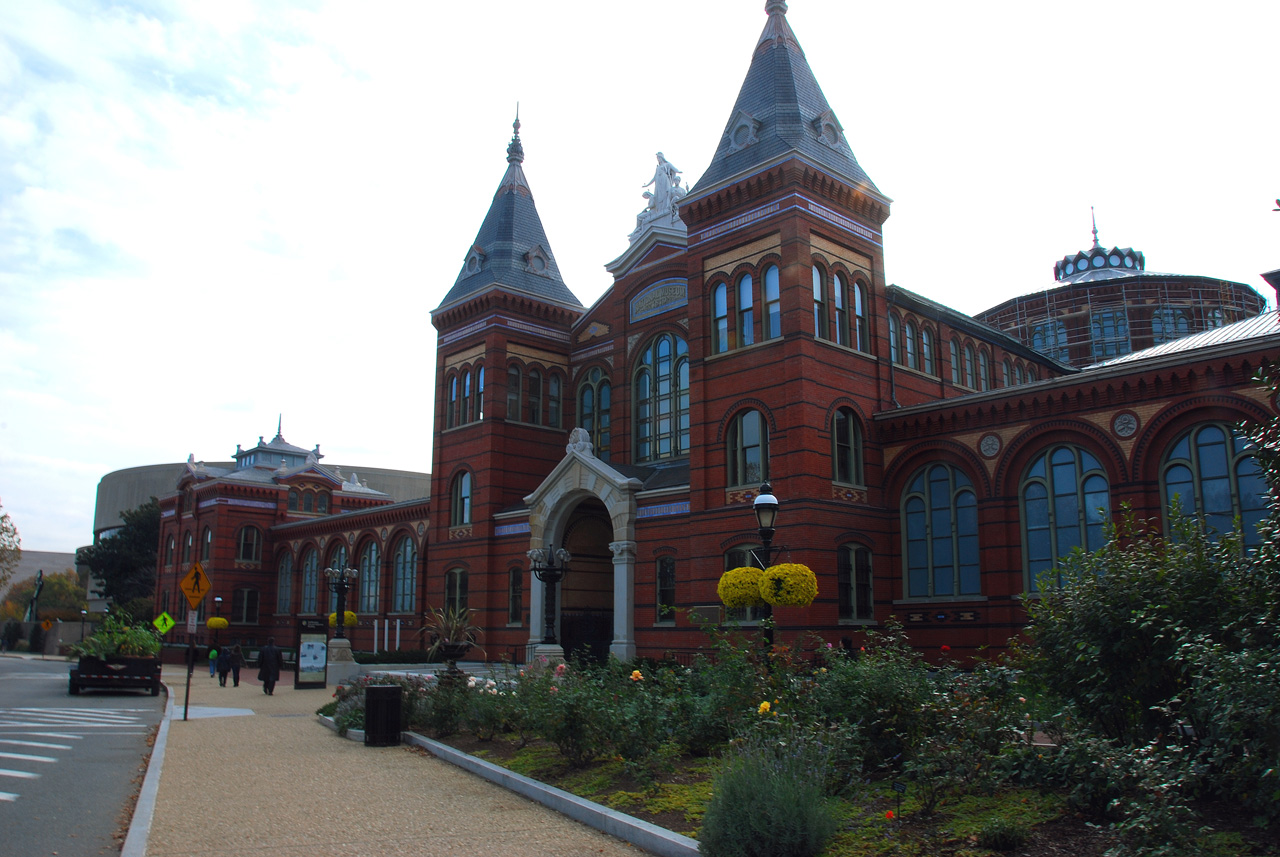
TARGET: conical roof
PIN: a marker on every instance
(511, 250)
(781, 109)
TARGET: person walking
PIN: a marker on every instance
(237, 661)
(270, 663)
(213, 661)
(224, 667)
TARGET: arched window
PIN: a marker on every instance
(940, 534)
(1065, 503)
(895, 353)
(513, 393)
(535, 397)
(451, 414)
(1168, 323)
(969, 375)
(1050, 338)
(338, 557)
(553, 399)
(464, 415)
(984, 370)
(460, 505)
(322, 502)
(593, 410)
(746, 312)
(284, 585)
(819, 304)
(1018, 375)
(666, 601)
(455, 589)
(1110, 329)
(293, 500)
(170, 551)
(1006, 373)
(206, 545)
(479, 393)
(404, 561)
(308, 501)
(310, 582)
(926, 351)
(772, 304)
(1213, 472)
(853, 582)
(748, 453)
(840, 296)
(515, 596)
(369, 583)
(860, 334)
(244, 607)
(249, 545)
(955, 362)
(186, 547)
(909, 345)
(661, 399)
(846, 448)
(720, 318)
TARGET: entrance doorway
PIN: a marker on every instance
(586, 593)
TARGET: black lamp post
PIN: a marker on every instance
(340, 580)
(549, 567)
(217, 612)
(766, 509)
(83, 615)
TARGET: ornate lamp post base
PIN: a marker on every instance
(342, 666)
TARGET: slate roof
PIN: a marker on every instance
(781, 94)
(512, 231)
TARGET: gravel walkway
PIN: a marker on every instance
(251, 774)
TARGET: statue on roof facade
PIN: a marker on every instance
(663, 202)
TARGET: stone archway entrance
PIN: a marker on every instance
(586, 593)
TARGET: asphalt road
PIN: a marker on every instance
(69, 765)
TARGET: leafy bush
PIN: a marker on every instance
(118, 636)
(768, 799)
(1002, 834)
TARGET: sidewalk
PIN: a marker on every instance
(251, 774)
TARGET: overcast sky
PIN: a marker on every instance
(212, 213)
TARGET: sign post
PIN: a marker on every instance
(195, 586)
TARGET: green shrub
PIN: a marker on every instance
(1002, 834)
(571, 707)
(117, 635)
(768, 800)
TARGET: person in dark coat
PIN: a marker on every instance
(270, 663)
(224, 667)
(237, 661)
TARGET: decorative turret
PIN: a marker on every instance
(1071, 269)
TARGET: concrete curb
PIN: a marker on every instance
(135, 843)
(642, 834)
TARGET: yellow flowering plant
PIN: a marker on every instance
(740, 587)
(788, 584)
(216, 623)
(348, 619)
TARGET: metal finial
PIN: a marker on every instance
(778, 7)
(1094, 217)
(515, 151)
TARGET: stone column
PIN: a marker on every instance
(623, 646)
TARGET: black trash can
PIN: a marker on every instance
(382, 715)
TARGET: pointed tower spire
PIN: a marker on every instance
(1094, 218)
(781, 110)
(515, 151)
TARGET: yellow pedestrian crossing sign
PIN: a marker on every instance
(195, 585)
(164, 623)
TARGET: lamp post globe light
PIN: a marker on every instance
(84, 614)
(549, 567)
(766, 509)
(341, 666)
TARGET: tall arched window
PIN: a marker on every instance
(819, 304)
(451, 416)
(369, 582)
(846, 447)
(1065, 504)
(170, 551)
(513, 393)
(308, 501)
(404, 561)
(479, 393)
(955, 362)
(249, 545)
(1050, 338)
(1006, 373)
(206, 545)
(187, 541)
(455, 589)
(515, 596)
(310, 582)
(666, 612)
(853, 582)
(293, 500)
(1215, 476)
(553, 400)
(926, 351)
(970, 379)
(748, 452)
(284, 585)
(840, 297)
(1110, 329)
(984, 370)
(338, 557)
(895, 352)
(772, 304)
(720, 318)
(534, 397)
(1168, 323)
(909, 345)
(1018, 375)
(322, 502)
(593, 410)
(940, 534)
(746, 312)
(661, 399)
(460, 505)
(860, 333)
(465, 410)
(244, 606)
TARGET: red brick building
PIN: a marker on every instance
(929, 465)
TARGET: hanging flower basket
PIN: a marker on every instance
(789, 584)
(740, 587)
(216, 623)
(349, 619)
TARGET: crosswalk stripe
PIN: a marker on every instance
(9, 796)
(21, 775)
(43, 744)
(24, 757)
